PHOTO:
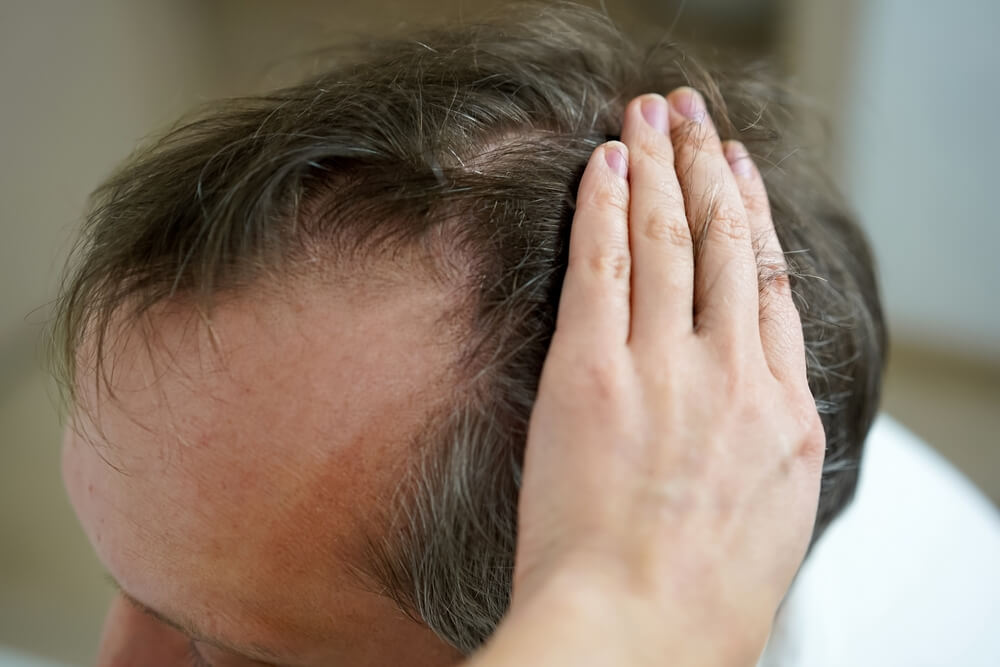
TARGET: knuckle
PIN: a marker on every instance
(614, 263)
(775, 283)
(730, 223)
(607, 199)
(780, 289)
(808, 424)
(774, 276)
(653, 152)
(663, 228)
(814, 437)
(604, 377)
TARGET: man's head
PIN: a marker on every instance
(303, 332)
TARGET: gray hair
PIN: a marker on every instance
(468, 141)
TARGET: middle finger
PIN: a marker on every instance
(659, 236)
(725, 281)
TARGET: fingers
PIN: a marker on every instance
(659, 236)
(641, 212)
(725, 281)
(594, 306)
(780, 327)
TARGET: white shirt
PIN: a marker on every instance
(909, 575)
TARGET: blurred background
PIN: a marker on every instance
(909, 90)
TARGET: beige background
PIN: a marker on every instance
(83, 82)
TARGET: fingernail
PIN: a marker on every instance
(739, 159)
(614, 155)
(654, 110)
(689, 103)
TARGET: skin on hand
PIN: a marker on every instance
(669, 496)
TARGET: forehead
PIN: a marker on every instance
(242, 457)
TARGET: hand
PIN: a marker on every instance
(673, 463)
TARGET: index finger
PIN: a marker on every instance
(594, 304)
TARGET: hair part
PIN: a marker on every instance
(466, 143)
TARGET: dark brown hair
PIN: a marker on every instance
(468, 141)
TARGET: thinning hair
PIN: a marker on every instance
(468, 142)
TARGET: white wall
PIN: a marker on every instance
(914, 91)
(81, 82)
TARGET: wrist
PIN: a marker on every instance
(565, 623)
(588, 620)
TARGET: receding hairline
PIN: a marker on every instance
(432, 264)
(91, 295)
(404, 106)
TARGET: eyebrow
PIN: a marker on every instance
(249, 651)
